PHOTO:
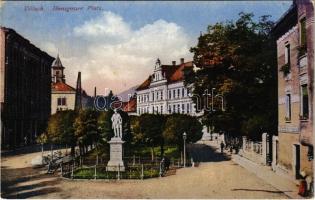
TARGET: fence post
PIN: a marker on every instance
(118, 177)
(142, 175)
(134, 160)
(160, 173)
(95, 173)
(72, 172)
(97, 159)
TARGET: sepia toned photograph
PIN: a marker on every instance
(157, 99)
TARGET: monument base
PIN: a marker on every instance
(116, 151)
(206, 137)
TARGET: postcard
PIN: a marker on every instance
(157, 99)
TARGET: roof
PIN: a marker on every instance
(286, 21)
(59, 86)
(57, 62)
(13, 34)
(173, 73)
(130, 106)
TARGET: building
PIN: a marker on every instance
(130, 106)
(293, 147)
(25, 89)
(164, 91)
(62, 95)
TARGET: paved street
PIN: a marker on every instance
(217, 178)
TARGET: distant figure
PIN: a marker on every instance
(167, 163)
(222, 146)
(25, 140)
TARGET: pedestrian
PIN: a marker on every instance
(222, 146)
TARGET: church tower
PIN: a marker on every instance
(57, 71)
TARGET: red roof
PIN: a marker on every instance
(59, 86)
(173, 74)
(130, 106)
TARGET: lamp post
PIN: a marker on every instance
(212, 99)
(184, 137)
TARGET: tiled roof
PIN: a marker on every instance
(59, 86)
(145, 84)
(173, 74)
(130, 106)
(178, 75)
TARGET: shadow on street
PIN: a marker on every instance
(26, 183)
(205, 153)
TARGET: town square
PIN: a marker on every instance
(157, 99)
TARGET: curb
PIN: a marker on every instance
(249, 165)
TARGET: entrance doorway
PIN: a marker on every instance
(296, 160)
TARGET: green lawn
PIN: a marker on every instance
(130, 173)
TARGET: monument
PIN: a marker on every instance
(116, 145)
(205, 134)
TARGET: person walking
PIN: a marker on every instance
(222, 146)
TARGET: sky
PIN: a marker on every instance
(115, 44)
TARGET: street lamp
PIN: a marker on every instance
(212, 99)
(184, 137)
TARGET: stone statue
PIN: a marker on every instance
(117, 124)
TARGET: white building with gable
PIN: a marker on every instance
(164, 92)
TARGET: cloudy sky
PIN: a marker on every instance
(115, 44)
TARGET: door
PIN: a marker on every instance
(297, 161)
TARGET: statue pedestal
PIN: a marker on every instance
(116, 153)
(205, 134)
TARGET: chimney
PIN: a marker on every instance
(94, 92)
(182, 61)
(174, 63)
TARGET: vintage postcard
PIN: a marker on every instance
(157, 99)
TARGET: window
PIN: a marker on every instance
(174, 108)
(169, 94)
(161, 95)
(288, 107)
(178, 93)
(188, 107)
(304, 102)
(303, 32)
(287, 54)
(178, 108)
(173, 94)
(161, 109)
(152, 96)
(169, 108)
(61, 101)
(183, 108)
(183, 92)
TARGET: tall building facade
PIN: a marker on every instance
(25, 89)
(295, 46)
(164, 92)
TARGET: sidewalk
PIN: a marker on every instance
(265, 173)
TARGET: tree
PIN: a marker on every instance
(151, 127)
(86, 131)
(177, 124)
(60, 129)
(239, 60)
